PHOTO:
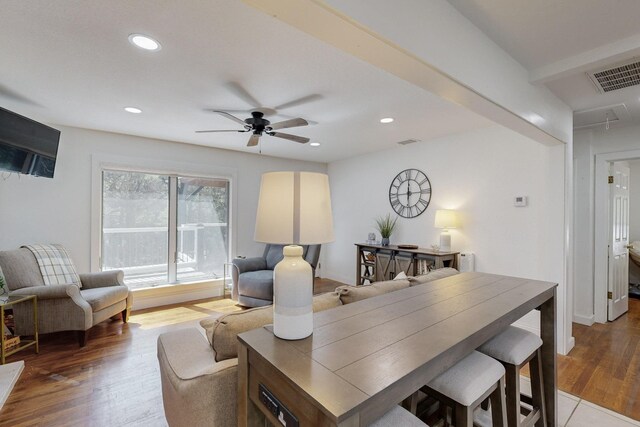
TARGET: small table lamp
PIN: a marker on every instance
(294, 209)
(446, 219)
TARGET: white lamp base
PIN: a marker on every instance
(445, 241)
(292, 296)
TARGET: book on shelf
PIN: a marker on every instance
(11, 341)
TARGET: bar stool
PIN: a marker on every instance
(514, 348)
(467, 384)
(398, 416)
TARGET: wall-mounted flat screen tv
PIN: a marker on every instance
(27, 146)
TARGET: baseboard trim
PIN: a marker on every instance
(175, 294)
(584, 320)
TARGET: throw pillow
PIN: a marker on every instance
(349, 294)
(401, 276)
(222, 332)
(440, 273)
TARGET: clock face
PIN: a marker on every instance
(410, 193)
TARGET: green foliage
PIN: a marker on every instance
(386, 225)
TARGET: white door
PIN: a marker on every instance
(619, 240)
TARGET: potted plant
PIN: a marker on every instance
(386, 226)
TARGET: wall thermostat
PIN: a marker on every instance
(520, 201)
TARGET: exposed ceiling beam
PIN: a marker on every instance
(586, 61)
(316, 18)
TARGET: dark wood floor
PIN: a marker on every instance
(115, 379)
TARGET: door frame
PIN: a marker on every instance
(601, 229)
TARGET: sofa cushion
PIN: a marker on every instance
(274, 256)
(257, 284)
(222, 332)
(349, 294)
(99, 298)
(440, 273)
(20, 269)
(190, 364)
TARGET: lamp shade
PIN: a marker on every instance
(446, 218)
(294, 208)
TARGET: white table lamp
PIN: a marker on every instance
(294, 209)
(446, 219)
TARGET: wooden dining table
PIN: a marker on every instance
(365, 357)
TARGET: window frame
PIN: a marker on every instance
(173, 170)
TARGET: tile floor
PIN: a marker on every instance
(576, 412)
(572, 412)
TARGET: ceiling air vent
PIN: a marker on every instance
(618, 77)
(407, 141)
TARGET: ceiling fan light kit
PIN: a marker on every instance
(258, 125)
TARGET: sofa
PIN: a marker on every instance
(199, 386)
(63, 307)
(253, 277)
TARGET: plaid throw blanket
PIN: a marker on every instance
(55, 265)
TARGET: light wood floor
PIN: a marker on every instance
(115, 379)
(604, 366)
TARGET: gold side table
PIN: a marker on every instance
(7, 300)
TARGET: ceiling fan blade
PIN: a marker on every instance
(253, 141)
(242, 93)
(296, 138)
(299, 101)
(230, 117)
(291, 123)
(311, 122)
(217, 130)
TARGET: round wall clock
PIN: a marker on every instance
(410, 193)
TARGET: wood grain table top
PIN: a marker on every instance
(374, 353)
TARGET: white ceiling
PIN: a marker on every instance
(69, 62)
(558, 41)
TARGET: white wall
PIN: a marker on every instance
(587, 144)
(634, 200)
(477, 173)
(59, 210)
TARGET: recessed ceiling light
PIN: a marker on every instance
(144, 42)
(133, 110)
(314, 144)
(386, 120)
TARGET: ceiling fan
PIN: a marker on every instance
(258, 125)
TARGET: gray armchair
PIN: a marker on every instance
(253, 277)
(63, 307)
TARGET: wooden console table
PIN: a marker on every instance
(377, 270)
(366, 357)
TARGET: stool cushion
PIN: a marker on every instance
(512, 346)
(398, 416)
(466, 381)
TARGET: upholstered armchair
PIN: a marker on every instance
(63, 307)
(253, 277)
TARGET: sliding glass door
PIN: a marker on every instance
(203, 230)
(163, 229)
